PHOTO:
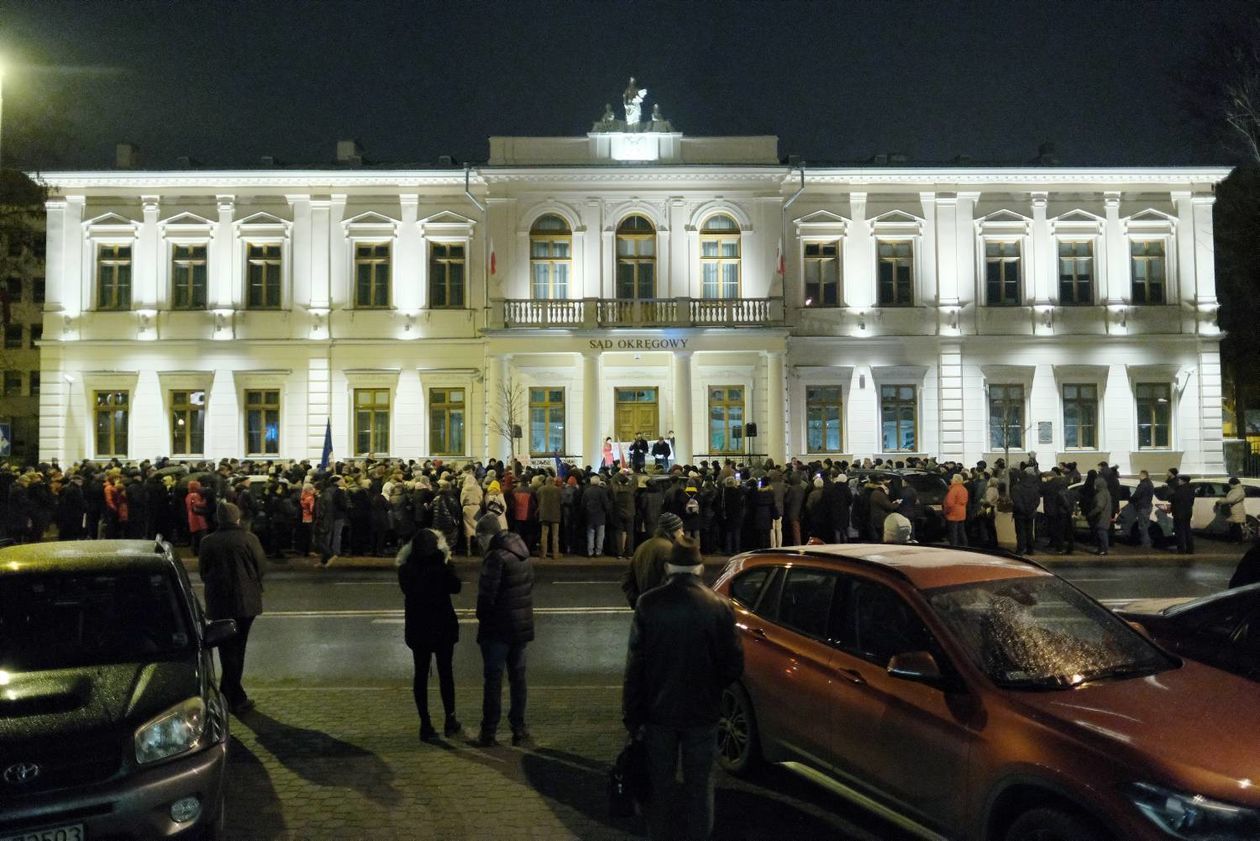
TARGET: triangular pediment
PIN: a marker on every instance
(1079, 216)
(896, 217)
(821, 217)
(188, 219)
(1152, 215)
(262, 218)
(370, 217)
(1004, 216)
(110, 219)
(447, 217)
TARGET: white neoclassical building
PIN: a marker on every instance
(594, 287)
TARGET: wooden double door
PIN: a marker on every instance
(636, 410)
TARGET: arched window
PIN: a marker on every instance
(550, 256)
(636, 259)
(719, 257)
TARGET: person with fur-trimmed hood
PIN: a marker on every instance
(431, 629)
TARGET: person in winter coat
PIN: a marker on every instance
(733, 515)
(116, 505)
(570, 516)
(470, 499)
(307, 521)
(1248, 569)
(763, 515)
(692, 511)
(817, 522)
(1234, 510)
(524, 510)
(550, 512)
(650, 504)
(1142, 500)
(71, 510)
(505, 615)
(647, 567)
(1182, 511)
(597, 508)
(623, 487)
(447, 514)
(837, 499)
(230, 563)
(430, 627)
(955, 510)
(881, 505)
(1099, 514)
(494, 502)
(793, 508)
(709, 534)
(195, 509)
(1026, 496)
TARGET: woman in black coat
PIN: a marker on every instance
(431, 629)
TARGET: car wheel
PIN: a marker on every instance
(739, 750)
(1048, 824)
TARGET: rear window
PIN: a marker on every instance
(746, 588)
(60, 621)
(931, 489)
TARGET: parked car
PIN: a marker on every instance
(110, 722)
(966, 695)
(1222, 630)
(1205, 517)
(1159, 526)
(929, 522)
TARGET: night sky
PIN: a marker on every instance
(838, 82)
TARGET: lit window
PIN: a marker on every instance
(262, 422)
(822, 274)
(824, 409)
(1080, 417)
(550, 257)
(1154, 415)
(719, 257)
(636, 259)
(188, 277)
(1001, 273)
(446, 275)
(113, 277)
(1006, 416)
(371, 421)
(546, 421)
(1148, 267)
(188, 422)
(726, 419)
(896, 273)
(898, 415)
(110, 416)
(446, 421)
(371, 274)
(1076, 273)
(264, 264)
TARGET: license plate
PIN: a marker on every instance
(53, 833)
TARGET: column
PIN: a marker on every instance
(1116, 278)
(859, 282)
(965, 247)
(776, 407)
(683, 398)
(76, 272)
(1204, 252)
(220, 294)
(496, 379)
(408, 254)
(590, 407)
(1041, 260)
(146, 263)
(928, 281)
(321, 221)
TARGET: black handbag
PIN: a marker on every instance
(628, 781)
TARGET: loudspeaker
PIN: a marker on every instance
(750, 430)
(516, 430)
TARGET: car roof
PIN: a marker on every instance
(83, 556)
(1248, 593)
(924, 567)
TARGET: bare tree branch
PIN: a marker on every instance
(508, 412)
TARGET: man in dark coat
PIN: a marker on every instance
(880, 506)
(683, 653)
(1143, 500)
(597, 509)
(70, 510)
(505, 613)
(430, 628)
(1025, 496)
(638, 453)
(1182, 511)
(230, 563)
(837, 502)
(661, 453)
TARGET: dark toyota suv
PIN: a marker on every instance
(110, 723)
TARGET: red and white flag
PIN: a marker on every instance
(780, 267)
(492, 258)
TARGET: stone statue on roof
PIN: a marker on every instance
(632, 101)
(607, 122)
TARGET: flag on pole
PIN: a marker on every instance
(780, 268)
(326, 459)
(493, 266)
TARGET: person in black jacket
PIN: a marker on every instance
(1026, 496)
(837, 503)
(683, 653)
(230, 562)
(430, 628)
(1182, 511)
(505, 615)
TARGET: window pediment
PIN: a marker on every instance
(370, 224)
(896, 223)
(111, 225)
(1077, 222)
(1150, 221)
(1004, 223)
(447, 224)
(263, 224)
(821, 224)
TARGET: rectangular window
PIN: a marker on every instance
(1001, 273)
(262, 422)
(371, 421)
(1147, 262)
(113, 277)
(546, 421)
(13, 288)
(110, 416)
(1076, 273)
(12, 383)
(726, 419)
(34, 381)
(38, 289)
(896, 273)
(446, 421)
(37, 335)
(719, 266)
(1080, 417)
(824, 408)
(188, 277)
(188, 423)
(822, 274)
(1006, 416)
(1154, 415)
(898, 415)
(263, 264)
(371, 274)
(549, 261)
(12, 336)
(446, 275)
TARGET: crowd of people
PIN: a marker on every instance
(374, 507)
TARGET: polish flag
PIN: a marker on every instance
(492, 259)
(780, 267)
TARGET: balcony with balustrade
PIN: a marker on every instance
(593, 313)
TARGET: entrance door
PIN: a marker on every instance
(636, 410)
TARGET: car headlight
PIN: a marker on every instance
(1194, 817)
(178, 730)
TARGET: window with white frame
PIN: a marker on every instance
(546, 421)
(1148, 269)
(447, 413)
(824, 413)
(1080, 416)
(1154, 415)
(262, 421)
(1002, 273)
(113, 277)
(371, 421)
(822, 274)
(1006, 416)
(110, 416)
(371, 274)
(896, 273)
(898, 417)
(446, 275)
(188, 276)
(263, 262)
(550, 257)
(188, 422)
(1076, 272)
(719, 257)
(636, 258)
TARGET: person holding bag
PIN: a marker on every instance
(431, 628)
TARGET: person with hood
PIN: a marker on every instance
(880, 505)
(955, 510)
(505, 615)
(430, 629)
(195, 508)
(837, 500)
(597, 507)
(1234, 510)
(470, 500)
(1099, 514)
(494, 502)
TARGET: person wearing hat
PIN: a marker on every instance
(430, 627)
(683, 653)
(230, 562)
(505, 617)
(647, 567)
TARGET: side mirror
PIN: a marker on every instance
(1140, 628)
(218, 632)
(919, 666)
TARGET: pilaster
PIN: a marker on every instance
(221, 295)
(776, 407)
(145, 261)
(590, 408)
(683, 399)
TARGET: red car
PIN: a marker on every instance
(964, 695)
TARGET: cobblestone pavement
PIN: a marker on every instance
(346, 763)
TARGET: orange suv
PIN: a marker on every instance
(964, 695)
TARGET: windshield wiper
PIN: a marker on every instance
(1124, 671)
(1049, 683)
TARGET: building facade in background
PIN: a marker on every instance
(22, 322)
(596, 287)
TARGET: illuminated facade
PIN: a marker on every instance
(593, 287)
